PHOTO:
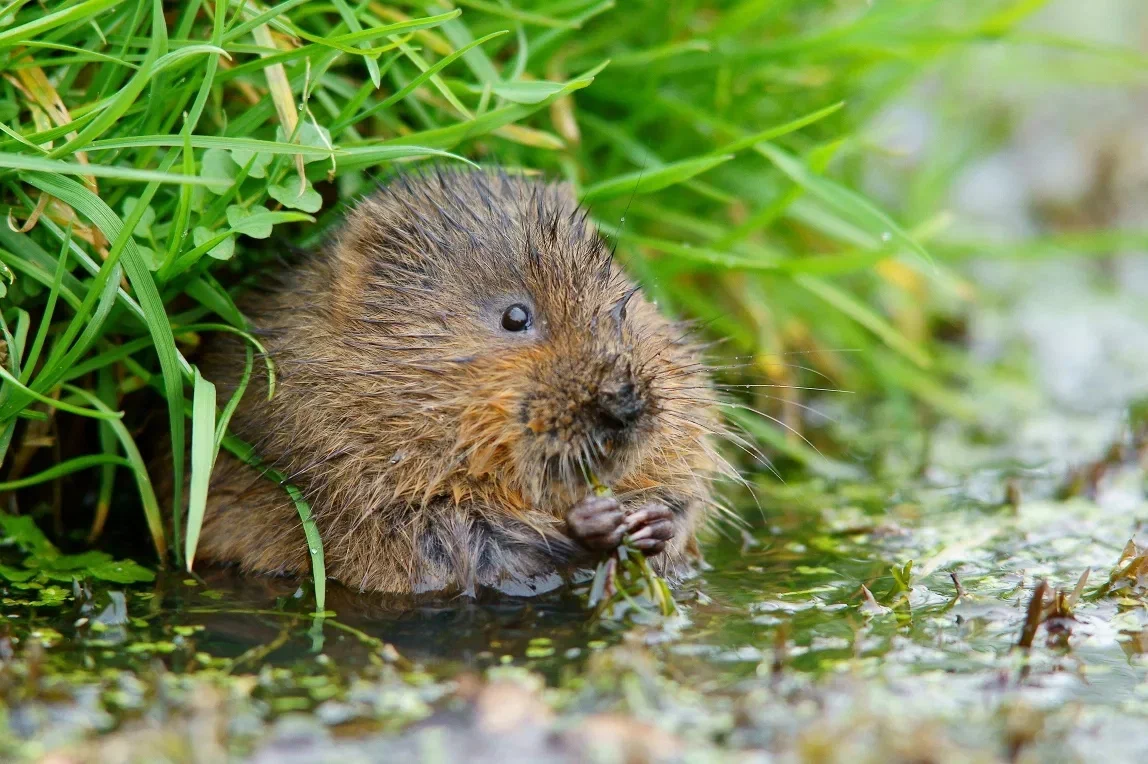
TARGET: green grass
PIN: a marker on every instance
(151, 152)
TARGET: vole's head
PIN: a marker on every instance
(506, 348)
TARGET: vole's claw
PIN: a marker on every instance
(597, 522)
(646, 515)
(650, 547)
(650, 527)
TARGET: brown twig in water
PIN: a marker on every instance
(957, 583)
(1033, 616)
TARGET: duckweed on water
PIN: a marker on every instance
(41, 562)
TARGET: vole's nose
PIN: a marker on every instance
(620, 408)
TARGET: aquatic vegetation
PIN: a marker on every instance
(780, 649)
(43, 563)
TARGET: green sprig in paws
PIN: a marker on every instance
(625, 582)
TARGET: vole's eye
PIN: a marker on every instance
(516, 318)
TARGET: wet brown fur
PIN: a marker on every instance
(438, 451)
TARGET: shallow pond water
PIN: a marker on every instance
(888, 613)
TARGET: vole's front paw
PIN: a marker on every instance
(597, 522)
(650, 527)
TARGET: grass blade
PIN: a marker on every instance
(33, 29)
(65, 468)
(850, 205)
(52, 402)
(643, 182)
(171, 362)
(865, 316)
(202, 461)
(39, 164)
(246, 453)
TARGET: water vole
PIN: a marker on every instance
(449, 372)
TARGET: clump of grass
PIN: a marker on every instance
(155, 155)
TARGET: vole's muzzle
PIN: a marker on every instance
(619, 408)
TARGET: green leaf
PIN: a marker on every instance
(246, 453)
(316, 136)
(122, 572)
(645, 182)
(22, 531)
(862, 314)
(446, 137)
(258, 159)
(143, 227)
(777, 131)
(525, 91)
(240, 220)
(61, 405)
(220, 169)
(47, 21)
(221, 251)
(202, 461)
(853, 207)
(903, 576)
(210, 294)
(368, 156)
(16, 574)
(352, 21)
(43, 164)
(70, 562)
(65, 467)
(344, 42)
(241, 146)
(407, 89)
(257, 221)
(126, 96)
(296, 196)
(150, 258)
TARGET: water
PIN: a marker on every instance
(780, 650)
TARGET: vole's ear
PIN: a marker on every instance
(385, 230)
(377, 261)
